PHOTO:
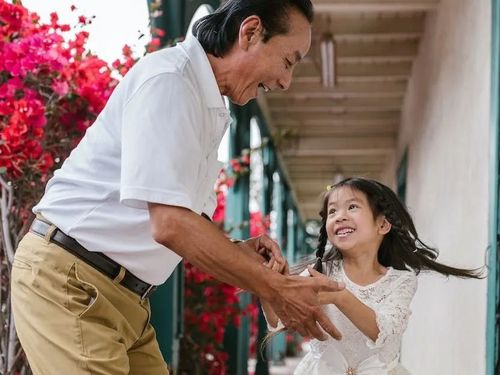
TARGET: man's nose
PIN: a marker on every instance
(285, 82)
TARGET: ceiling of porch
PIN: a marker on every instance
(350, 128)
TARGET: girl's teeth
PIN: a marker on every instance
(345, 232)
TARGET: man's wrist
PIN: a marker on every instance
(272, 286)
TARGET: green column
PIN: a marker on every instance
(269, 165)
(278, 345)
(493, 306)
(167, 306)
(236, 339)
(301, 247)
(173, 16)
(291, 215)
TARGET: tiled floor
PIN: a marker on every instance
(287, 369)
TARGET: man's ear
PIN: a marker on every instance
(384, 226)
(250, 32)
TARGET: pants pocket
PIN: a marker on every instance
(22, 275)
(83, 296)
(21, 263)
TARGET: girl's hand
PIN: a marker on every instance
(325, 298)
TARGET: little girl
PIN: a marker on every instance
(375, 250)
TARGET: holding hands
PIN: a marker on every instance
(294, 300)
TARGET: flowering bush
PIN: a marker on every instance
(51, 91)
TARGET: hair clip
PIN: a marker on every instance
(329, 187)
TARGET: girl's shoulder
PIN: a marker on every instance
(406, 279)
(403, 274)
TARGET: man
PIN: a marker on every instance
(125, 207)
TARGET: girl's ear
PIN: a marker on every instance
(250, 32)
(384, 226)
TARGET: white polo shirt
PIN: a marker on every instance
(155, 141)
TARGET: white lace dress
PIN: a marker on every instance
(355, 353)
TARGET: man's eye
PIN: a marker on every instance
(288, 64)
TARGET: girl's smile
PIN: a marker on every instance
(343, 232)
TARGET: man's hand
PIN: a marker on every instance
(276, 266)
(265, 247)
(298, 306)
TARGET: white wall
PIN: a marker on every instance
(445, 124)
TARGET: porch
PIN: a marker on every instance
(399, 91)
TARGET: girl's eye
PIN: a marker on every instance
(352, 206)
(331, 212)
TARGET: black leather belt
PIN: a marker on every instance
(97, 260)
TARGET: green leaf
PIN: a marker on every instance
(3, 170)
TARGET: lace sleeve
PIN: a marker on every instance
(393, 313)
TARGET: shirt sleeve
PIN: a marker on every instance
(392, 315)
(270, 328)
(161, 144)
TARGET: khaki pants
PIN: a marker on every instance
(71, 319)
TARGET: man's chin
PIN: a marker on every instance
(240, 101)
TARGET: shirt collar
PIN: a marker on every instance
(203, 71)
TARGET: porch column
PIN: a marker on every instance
(278, 345)
(269, 165)
(236, 339)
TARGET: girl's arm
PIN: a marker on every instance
(271, 317)
(388, 319)
(356, 311)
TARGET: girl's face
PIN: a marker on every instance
(350, 224)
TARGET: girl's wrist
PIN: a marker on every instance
(331, 298)
(340, 297)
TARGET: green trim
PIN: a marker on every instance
(493, 280)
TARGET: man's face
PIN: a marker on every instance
(267, 65)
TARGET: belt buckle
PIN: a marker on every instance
(150, 289)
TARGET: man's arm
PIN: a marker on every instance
(293, 298)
